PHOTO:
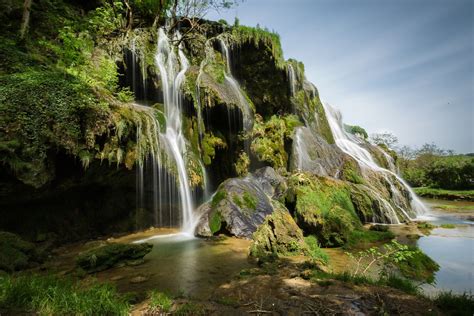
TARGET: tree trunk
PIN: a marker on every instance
(25, 20)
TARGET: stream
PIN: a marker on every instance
(182, 265)
(451, 248)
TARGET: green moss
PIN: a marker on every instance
(366, 238)
(351, 172)
(269, 139)
(245, 34)
(250, 201)
(363, 203)
(425, 227)
(448, 226)
(242, 164)
(215, 222)
(109, 255)
(314, 251)
(419, 267)
(323, 208)
(277, 236)
(218, 197)
(209, 144)
(312, 110)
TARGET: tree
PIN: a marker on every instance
(192, 11)
(385, 138)
(25, 19)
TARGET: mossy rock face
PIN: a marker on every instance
(110, 255)
(351, 171)
(323, 208)
(311, 153)
(240, 205)
(271, 138)
(16, 253)
(278, 235)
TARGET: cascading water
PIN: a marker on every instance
(234, 85)
(292, 79)
(172, 78)
(352, 146)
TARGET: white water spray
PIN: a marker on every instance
(172, 71)
(352, 146)
(234, 85)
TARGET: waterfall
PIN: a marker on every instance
(234, 86)
(352, 146)
(172, 78)
(292, 79)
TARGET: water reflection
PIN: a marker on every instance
(181, 264)
(452, 249)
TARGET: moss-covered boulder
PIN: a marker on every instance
(278, 235)
(323, 208)
(110, 255)
(240, 205)
(16, 253)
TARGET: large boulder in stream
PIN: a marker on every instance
(240, 205)
(113, 254)
(278, 234)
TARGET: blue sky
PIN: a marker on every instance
(404, 66)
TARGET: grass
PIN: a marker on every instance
(448, 226)
(315, 252)
(455, 304)
(50, 295)
(393, 281)
(425, 227)
(190, 309)
(365, 238)
(160, 302)
(419, 267)
(443, 194)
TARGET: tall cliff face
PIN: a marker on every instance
(216, 105)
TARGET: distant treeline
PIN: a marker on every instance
(433, 167)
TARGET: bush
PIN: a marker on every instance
(454, 172)
(455, 304)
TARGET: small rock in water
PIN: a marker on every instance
(138, 279)
(116, 278)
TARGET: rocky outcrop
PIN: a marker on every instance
(240, 205)
(311, 153)
(110, 255)
(279, 234)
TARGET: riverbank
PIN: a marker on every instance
(454, 195)
(183, 275)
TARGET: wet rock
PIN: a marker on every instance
(313, 154)
(240, 205)
(138, 279)
(111, 255)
